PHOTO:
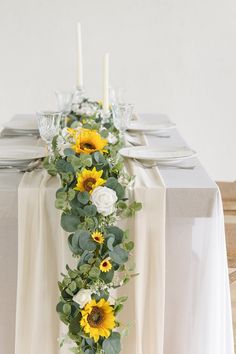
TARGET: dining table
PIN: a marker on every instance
(180, 301)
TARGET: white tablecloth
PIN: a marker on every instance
(189, 284)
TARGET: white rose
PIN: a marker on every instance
(112, 139)
(104, 199)
(83, 297)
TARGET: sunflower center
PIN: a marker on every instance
(87, 146)
(97, 238)
(88, 183)
(104, 264)
(96, 317)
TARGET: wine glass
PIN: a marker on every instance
(117, 95)
(122, 113)
(49, 125)
(64, 103)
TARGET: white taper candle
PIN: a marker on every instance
(79, 57)
(106, 84)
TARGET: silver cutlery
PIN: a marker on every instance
(150, 165)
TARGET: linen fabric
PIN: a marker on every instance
(43, 253)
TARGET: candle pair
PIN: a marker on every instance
(105, 71)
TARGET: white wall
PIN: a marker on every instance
(177, 57)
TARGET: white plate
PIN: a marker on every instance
(21, 153)
(164, 154)
(149, 127)
(14, 163)
(19, 132)
(26, 124)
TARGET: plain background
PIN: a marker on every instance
(172, 56)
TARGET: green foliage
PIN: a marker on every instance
(83, 197)
(112, 345)
(69, 222)
(113, 183)
(85, 241)
(80, 218)
(118, 234)
(119, 255)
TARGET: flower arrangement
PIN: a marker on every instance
(93, 197)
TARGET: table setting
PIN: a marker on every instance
(112, 232)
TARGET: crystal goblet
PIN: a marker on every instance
(122, 113)
(49, 125)
(64, 103)
(117, 95)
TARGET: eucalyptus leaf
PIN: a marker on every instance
(94, 272)
(75, 162)
(99, 158)
(60, 204)
(71, 194)
(117, 232)
(110, 242)
(129, 245)
(84, 268)
(59, 307)
(90, 210)
(69, 152)
(112, 345)
(64, 166)
(86, 160)
(67, 309)
(83, 197)
(74, 326)
(73, 286)
(107, 276)
(120, 191)
(73, 242)
(112, 183)
(119, 255)
(61, 194)
(86, 242)
(89, 351)
(69, 222)
(104, 133)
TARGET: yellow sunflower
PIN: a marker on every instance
(98, 319)
(88, 141)
(105, 266)
(88, 180)
(98, 237)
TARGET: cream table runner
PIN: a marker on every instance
(43, 254)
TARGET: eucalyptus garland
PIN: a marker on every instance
(93, 197)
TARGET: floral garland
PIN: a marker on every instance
(92, 197)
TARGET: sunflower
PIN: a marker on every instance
(98, 237)
(88, 180)
(98, 319)
(88, 141)
(105, 266)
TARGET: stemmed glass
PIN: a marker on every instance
(78, 98)
(64, 103)
(117, 95)
(49, 125)
(122, 113)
